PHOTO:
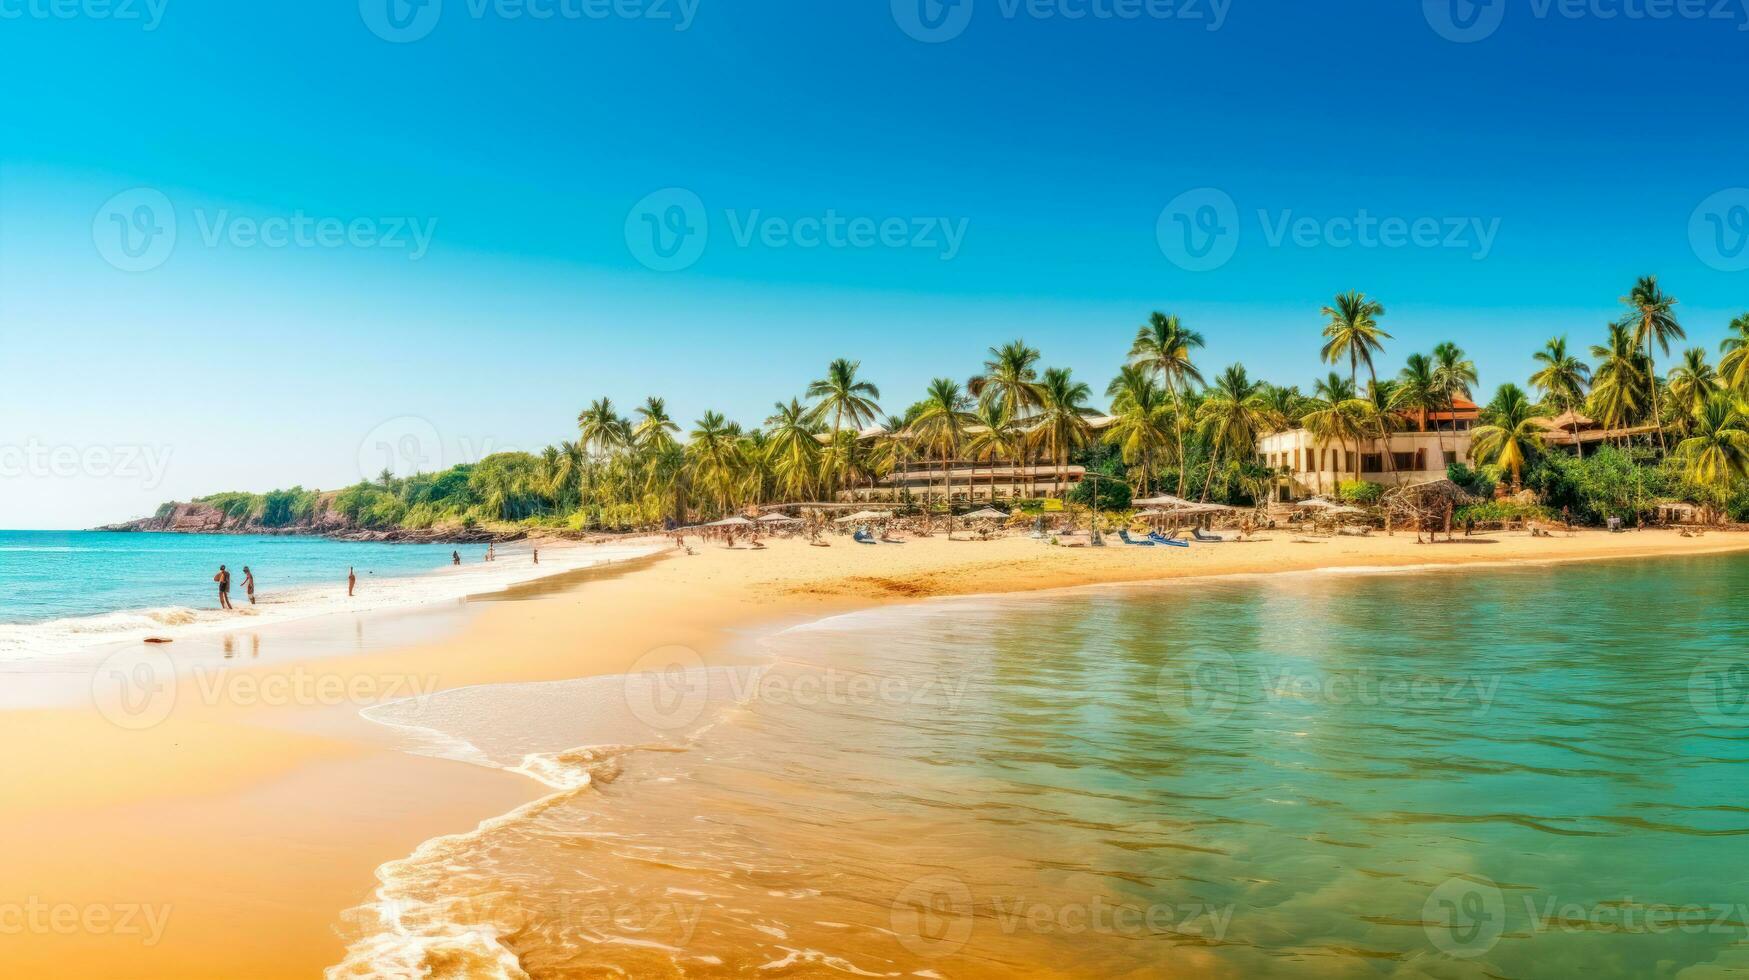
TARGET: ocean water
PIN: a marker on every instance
(63, 590)
(1536, 772)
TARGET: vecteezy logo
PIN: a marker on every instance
(932, 916)
(1720, 693)
(1199, 688)
(1464, 917)
(932, 21)
(668, 688)
(403, 446)
(135, 689)
(1199, 229)
(668, 230)
(1718, 230)
(1464, 21)
(135, 231)
(400, 21)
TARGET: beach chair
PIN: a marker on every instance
(1158, 538)
(1124, 536)
(1200, 536)
(864, 536)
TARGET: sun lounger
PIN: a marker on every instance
(864, 537)
(1124, 536)
(1200, 536)
(1158, 538)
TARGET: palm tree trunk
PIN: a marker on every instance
(1657, 415)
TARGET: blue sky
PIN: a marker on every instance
(476, 265)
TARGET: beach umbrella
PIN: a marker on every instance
(987, 514)
(1166, 501)
(779, 519)
(725, 522)
(1317, 503)
(865, 515)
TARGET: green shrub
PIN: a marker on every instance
(1501, 510)
(1360, 493)
(1473, 483)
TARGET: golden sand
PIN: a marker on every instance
(225, 841)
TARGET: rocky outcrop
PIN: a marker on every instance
(200, 518)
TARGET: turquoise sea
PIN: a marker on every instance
(1530, 772)
(49, 575)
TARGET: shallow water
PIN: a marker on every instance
(1509, 773)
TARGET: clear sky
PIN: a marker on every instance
(243, 244)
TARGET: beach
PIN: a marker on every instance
(232, 829)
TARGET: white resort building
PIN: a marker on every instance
(1306, 467)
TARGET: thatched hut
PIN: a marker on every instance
(1424, 506)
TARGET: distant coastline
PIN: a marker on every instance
(207, 517)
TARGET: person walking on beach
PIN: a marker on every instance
(249, 584)
(351, 580)
(224, 580)
(537, 556)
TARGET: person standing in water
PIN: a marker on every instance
(224, 580)
(351, 580)
(455, 558)
(249, 584)
(491, 552)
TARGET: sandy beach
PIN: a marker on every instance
(225, 837)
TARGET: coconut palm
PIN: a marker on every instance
(1510, 436)
(1562, 379)
(1344, 422)
(1418, 389)
(1333, 388)
(714, 452)
(794, 452)
(995, 436)
(1353, 332)
(1010, 379)
(1734, 365)
(1622, 382)
(1144, 420)
(1061, 425)
(941, 427)
(1717, 452)
(1164, 345)
(1230, 419)
(843, 397)
(1693, 383)
(1454, 374)
(1652, 318)
(655, 429)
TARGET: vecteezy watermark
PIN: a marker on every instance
(40, 917)
(1719, 693)
(409, 444)
(405, 21)
(1466, 917)
(40, 460)
(1718, 230)
(139, 689)
(1202, 688)
(669, 229)
(137, 231)
(148, 14)
(1200, 230)
(938, 915)
(939, 21)
(670, 687)
(1468, 21)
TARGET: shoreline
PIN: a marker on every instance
(319, 779)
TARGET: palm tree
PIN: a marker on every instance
(602, 430)
(1010, 380)
(1333, 388)
(1141, 429)
(1562, 379)
(655, 430)
(1381, 419)
(1229, 419)
(1510, 437)
(794, 451)
(1418, 389)
(1622, 382)
(1718, 450)
(1164, 345)
(1693, 383)
(1062, 418)
(1454, 374)
(997, 436)
(1651, 317)
(1734, 365)
(1283, 407)
(714, 451)
(942, 427)
(845, 398)
(1343, 421)
(1353, 332)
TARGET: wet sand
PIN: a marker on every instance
(224, 838)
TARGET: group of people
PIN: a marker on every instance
(223, 578)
